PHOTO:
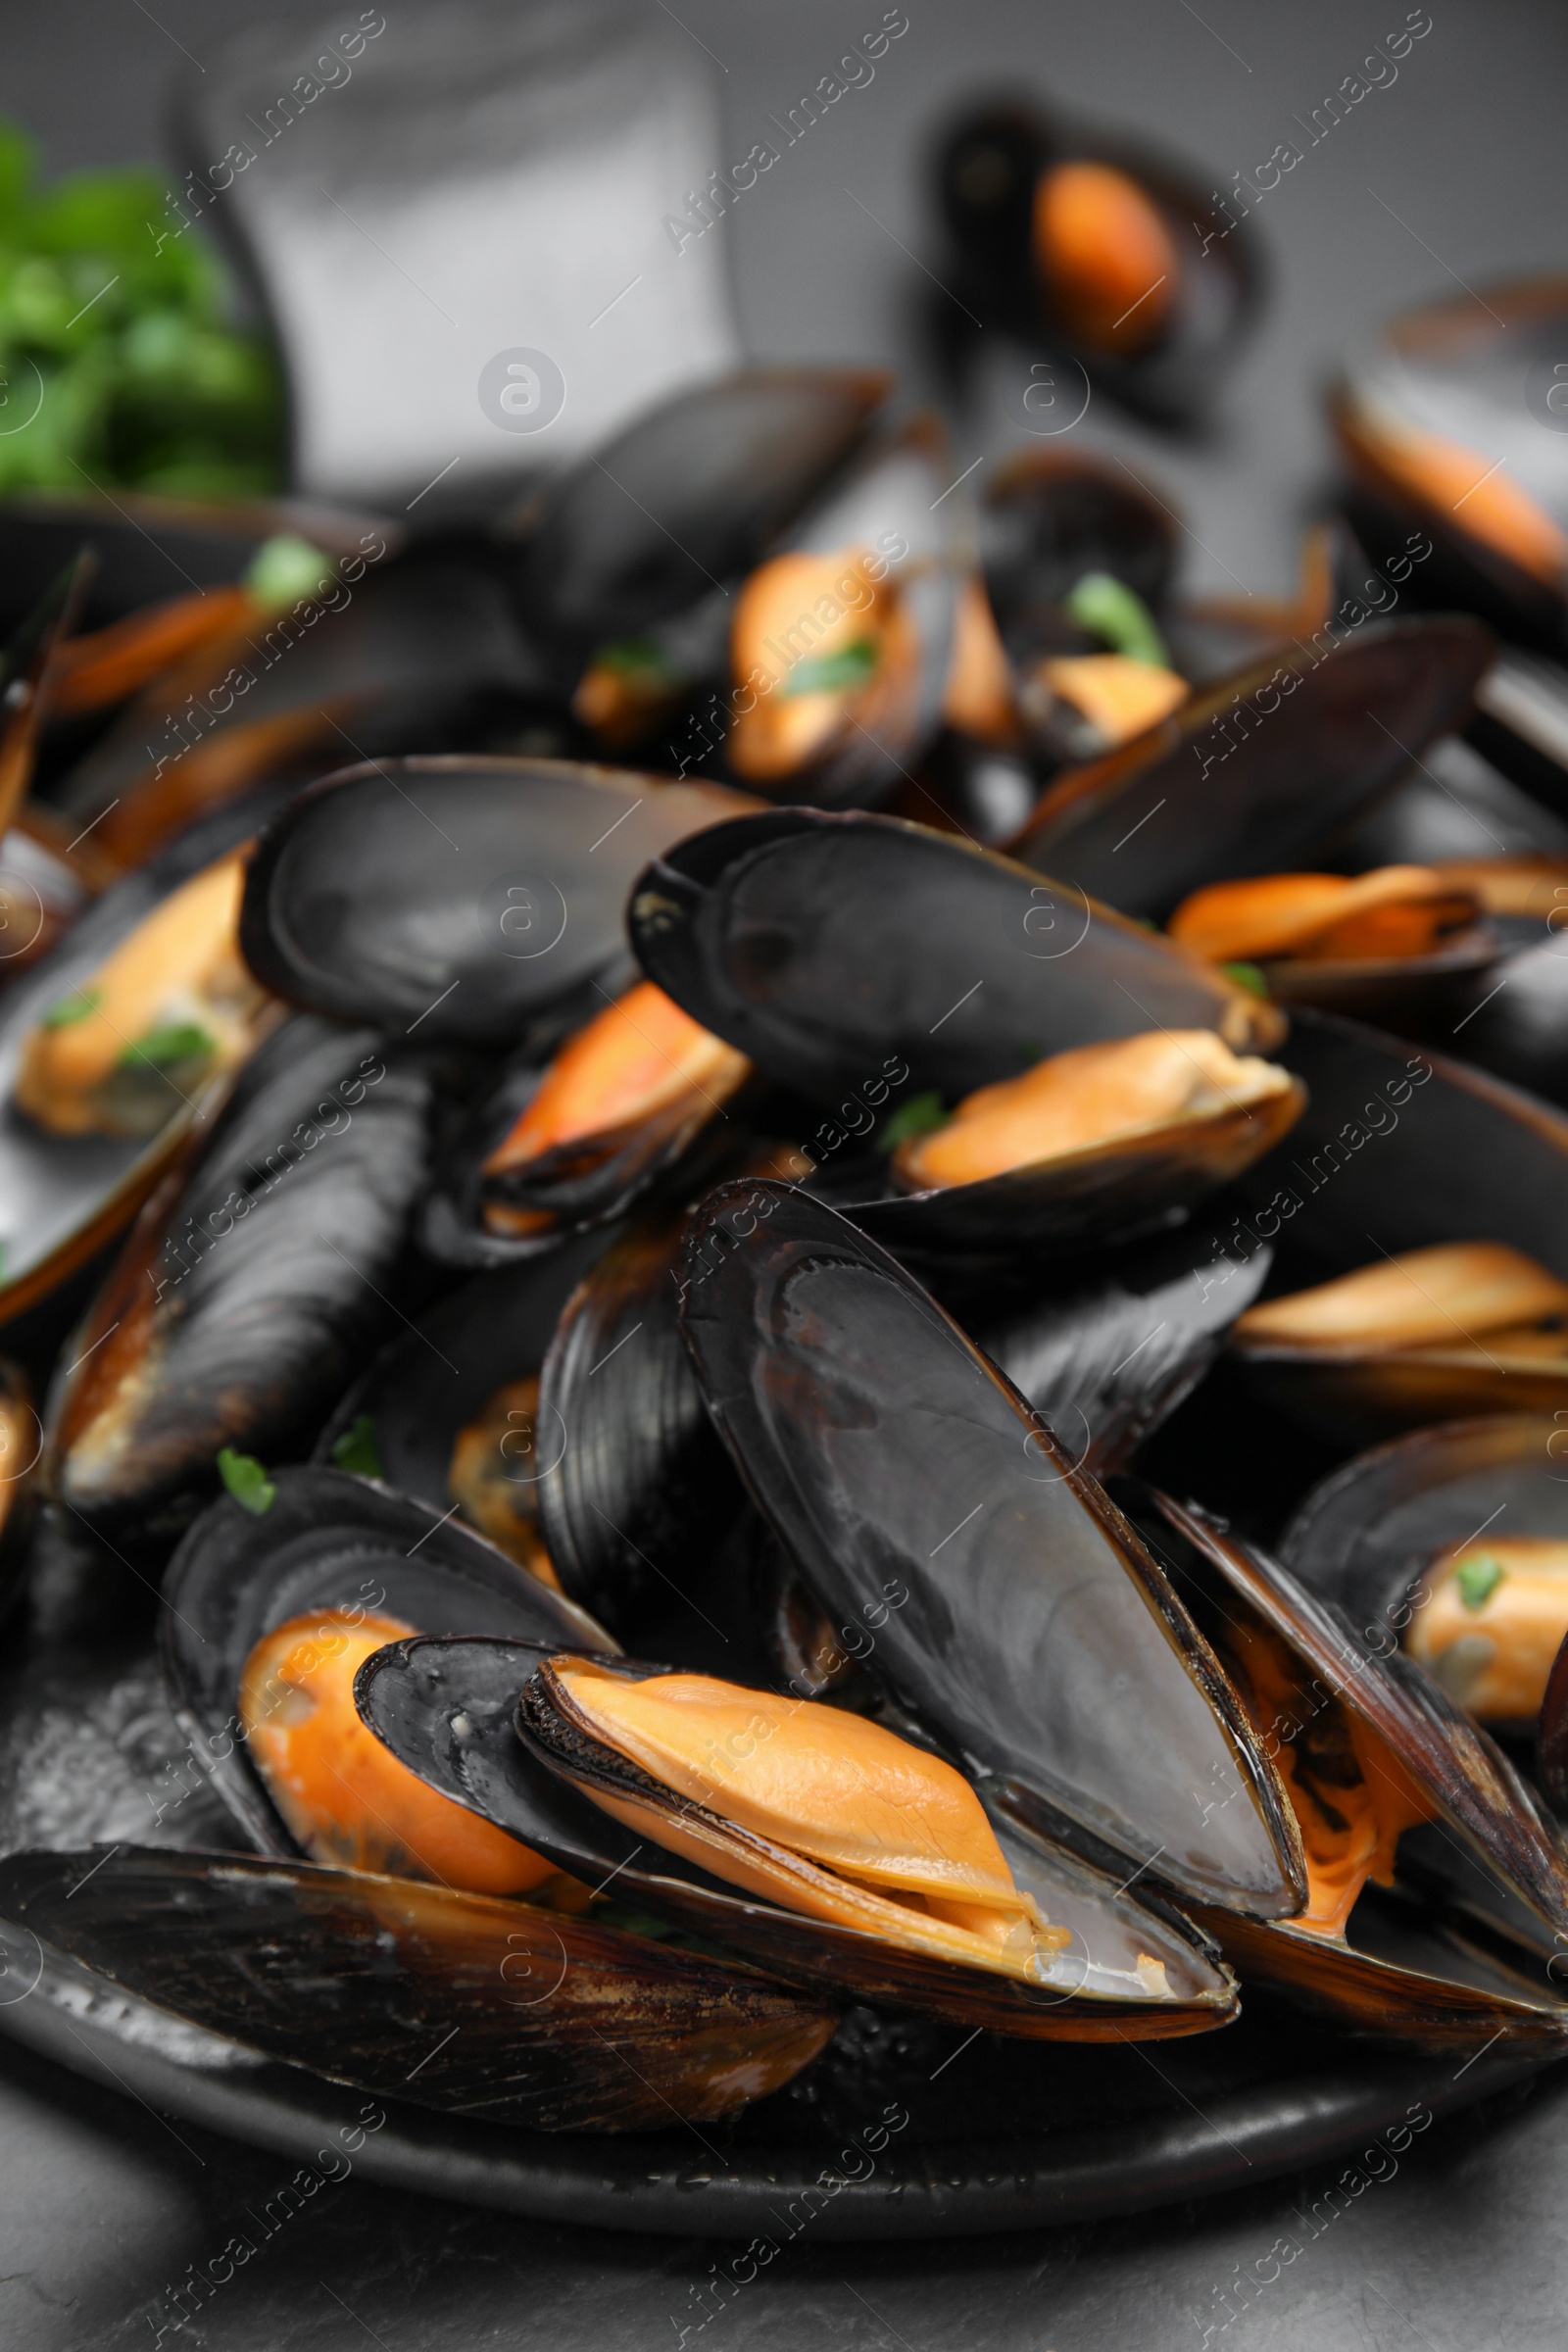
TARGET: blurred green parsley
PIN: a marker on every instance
(115, 363)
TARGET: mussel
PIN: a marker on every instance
(1444, 1937)
(1256, 772)
(460, 899)
(1093, 241)
(519, 2017)
(816, 944)
(1094, 1963)
(1010, 1608)
(253, 1287)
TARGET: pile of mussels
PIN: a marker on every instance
(672, 1269)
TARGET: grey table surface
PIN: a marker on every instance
(1441, 180)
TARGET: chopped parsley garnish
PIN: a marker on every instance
(1478, 1578)
(1108, 608)
(1248, 975)
(356, 1451)
(832, 673)
(246, 1480)
(286, 568)
(167, 1048)
(72, 1009)
(636, 658)
(922, 1114)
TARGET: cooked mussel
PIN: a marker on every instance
(253, 1286)
(1452, 1542)
(267, 1615)
(1093, 241)
(1372, 944)
(1400, 1150)
(859, 955)
(520, 2017)
(687, 497)
(62, 1195)
(1431, 420)
(1449, 1943)
(1105, 1964)
(1253, 773)
(1009, 1607)
(569, 1144)
(465, 899)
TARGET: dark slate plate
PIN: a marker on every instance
(997, 2135)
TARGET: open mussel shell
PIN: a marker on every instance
(688, 495)
(253, 1286)
(862, 953)
(518, 2015)
(1457, 1951)
(889, 506)
(378, 662)
(830, 948)
(446, 1709)
(1251, 775)
(1369, 1532)
(638, 1489)
(463, 898)
(1050, 518)
(326, 1541)
(1011, 1608)
(1429, 415)
(988, 175)
(435, 1379)
(1399, 1149)
(1119, 1338)
(61, 1197)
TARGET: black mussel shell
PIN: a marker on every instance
(1443, 1975)
(1399, 1149)
(1253, 774)
(456, 898)
(21, 1447)
(1048, 518)
(1011, 1608)
(979, 790)
(369, 667)
(464, 2002)
(832, 948)
(326, 1541)
(685, 497)
(639, 1489)
(446, 1709)
(1414, 995)
(1367, 1534)
(63, 1197)
(400, 1420)
(253, 1286)
(1521, 725)
(1119, 1338)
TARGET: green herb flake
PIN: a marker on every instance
(833, 673)
(1248, 975)
(638, 657)
(72, 1009)
(286, 568)
(922, 1114)
(1478, 1578)
(175, 1042)
(356, 1451)
(1108, 608)
(242, 1474)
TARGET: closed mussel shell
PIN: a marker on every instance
(459, 898)
(1009, 1606)
(253, 1287)
(520, 2017)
